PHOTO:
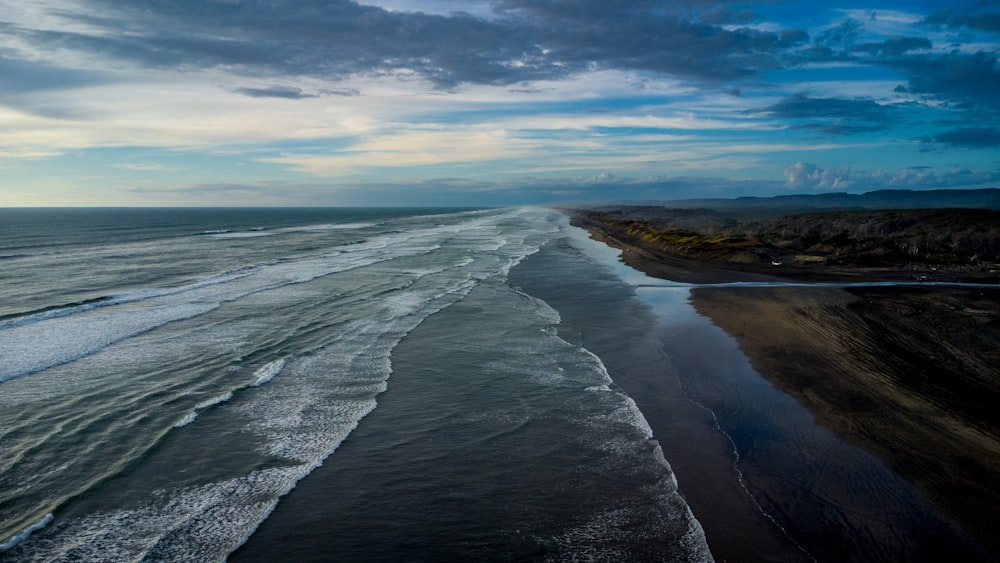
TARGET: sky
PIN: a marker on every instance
(490, 102)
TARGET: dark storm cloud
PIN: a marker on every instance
(801, 106)
(528, 40)
(834, 116)
(960, 78)
(324, 38)
(973, 19)
(641, 35)
(968, 137)
(893, 46)
(967, 80)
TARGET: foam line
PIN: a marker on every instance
(214, 401)
(246, 234)
(27, 531)
(268, 372)
(186, 420)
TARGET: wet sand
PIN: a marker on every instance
(603, 315)
(909, 374)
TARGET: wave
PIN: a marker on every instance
(193, 415)
(28, 340)
(241, 234)
(186, 420)
(328, 227)
(31, 348)
(214, 401)
(84, 331)
(268, 372)
(294, 416)
(615, 426)
(52, 311)
(24, 533)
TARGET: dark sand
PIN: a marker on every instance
(910, 374)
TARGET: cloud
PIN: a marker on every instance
(801, 106)
(527, 40)
(968, 137)
(451, 191)
(844, 34)
(834, 116)
(961, 71)
(33, 77)
(283, 92)
(966, 79)
(22, 82)
(803, 175)
(894, 46)
(956, 18)
(412, 148)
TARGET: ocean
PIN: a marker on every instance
(318, 384)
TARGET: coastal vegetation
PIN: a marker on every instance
(952, 238)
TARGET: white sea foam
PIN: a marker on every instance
(268, 372)
(243, 234)
(302, 416)
(214, 401)
(29, 346)
(328, 227)
(37, 346)
(50, 314)
(24, 533)
(186, 420)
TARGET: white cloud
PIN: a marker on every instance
(413, 148)
(802, 175)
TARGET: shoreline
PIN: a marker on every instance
(905, 373)
(883, 369)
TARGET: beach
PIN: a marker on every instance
(907, 373)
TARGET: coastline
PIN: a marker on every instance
(906, 373)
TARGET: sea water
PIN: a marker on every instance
(168, 377)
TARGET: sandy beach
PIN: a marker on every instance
(908, 373)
